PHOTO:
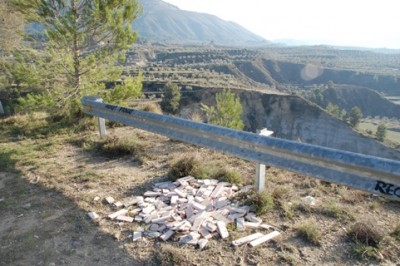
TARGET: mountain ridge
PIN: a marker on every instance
(164, 22)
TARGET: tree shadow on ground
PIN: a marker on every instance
(41, 226)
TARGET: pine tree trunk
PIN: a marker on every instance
(76, 51)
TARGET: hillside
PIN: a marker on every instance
(370, 102)
(163, 22)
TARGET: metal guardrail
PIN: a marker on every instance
(372, 174)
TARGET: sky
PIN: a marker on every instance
(367, 23)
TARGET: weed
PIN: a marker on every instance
(194, 166)
(152, 108)
(363, 251)
(396, 232)
(261, 202)
(309, 232)
(230, 176)
(114, 147)
(286, 258)
(169, 255)
(332, 209)
(365, 233)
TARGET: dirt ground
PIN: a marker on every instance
(45, 196)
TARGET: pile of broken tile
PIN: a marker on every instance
(193, 210)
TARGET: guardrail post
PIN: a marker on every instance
(260, 169)
(1, 109)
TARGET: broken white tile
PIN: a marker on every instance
(264, 238)
(264, 226)
(117, 204)
(186, 178)
(110, 200)
(189, 211)
(174, 200)
(251, 225)
(212, 227)
(93, 215)
(148, 209)
(221, 203)
(251, 217)
(220, 217)
(180, 193)
(223, 232)
(149, 218)
(150, 199)
(138, 218)
(167, 235)
(182, 200)
(202, 243)
(205, 233)
(199, 199)
(124, 218)
(153, 234)
(198, 221)
(137, 236)
(117, 213)
(218, 189)
(161, 227)
(235, 188)
(198, 206)
(152, 194)
(191, 238)
(161, 220)
(240, 224)
(183, 226)
(154, 227)
(246, 239)
(235, 216)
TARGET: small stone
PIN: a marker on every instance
(223, 232)
(309, 200)
(202, 243)
(94, 216)
(167, 235)
(136, 236)
(117, 213)
(110, 200)
(97, 198)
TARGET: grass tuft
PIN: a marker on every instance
(396, 232)
(309, 232)
(194, 166)
(260, 202)
(152, 108)
(365, 233)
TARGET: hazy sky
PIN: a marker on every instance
(368, 23)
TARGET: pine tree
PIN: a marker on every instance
(381, 132)
(355, 116)
(171, 100)
(84, 41)
(228, 112)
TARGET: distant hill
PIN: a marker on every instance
(163, 22)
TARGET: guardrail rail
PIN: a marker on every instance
(372, 174)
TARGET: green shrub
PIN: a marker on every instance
(230, 176)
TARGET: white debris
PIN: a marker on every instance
(309, 200)
(264, 238)
(193, 210)
(246, 239)
(94, 216)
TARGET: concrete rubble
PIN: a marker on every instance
(190, 211)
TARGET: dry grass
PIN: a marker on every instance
(81, 172)
(365, 232)
(308, 230)
(152, 107)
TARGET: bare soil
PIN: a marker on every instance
(44, 200)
